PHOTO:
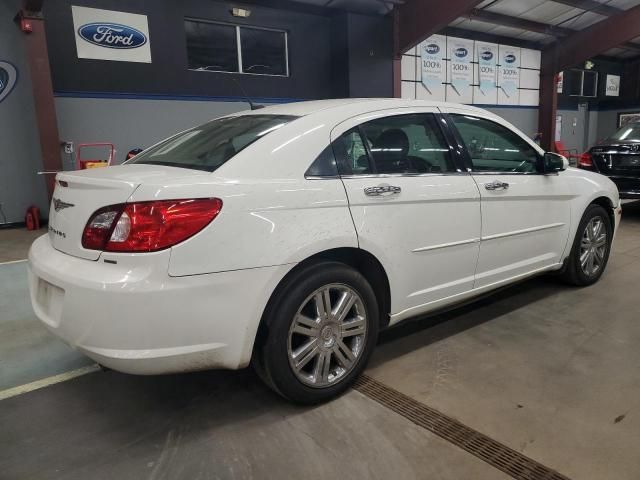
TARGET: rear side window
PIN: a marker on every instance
(209, 146)
(494, 148)
(408, 144)
(399, 144)
(351, 154)
(324, 165)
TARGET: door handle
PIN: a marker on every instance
(496, 185)
(382, 190)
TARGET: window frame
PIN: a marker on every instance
(462, 146)
(455, 155)
(238, 28)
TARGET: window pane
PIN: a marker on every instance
(263, 51)
(590, 84)
(211, 46)
(351, 154)
(494, 148)
(575, 82)
(210, 145)
(408, 144)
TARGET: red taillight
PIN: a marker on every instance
(585, 160)
(148, 226)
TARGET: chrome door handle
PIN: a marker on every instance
(497, 185)
(382, 190)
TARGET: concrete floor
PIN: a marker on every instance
(549, 370)
(15, 242)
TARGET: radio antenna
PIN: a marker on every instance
(252, 105)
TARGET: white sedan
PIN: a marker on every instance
(289, 236)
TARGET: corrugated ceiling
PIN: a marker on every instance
(542, 11)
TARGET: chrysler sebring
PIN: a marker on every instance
(288, 237)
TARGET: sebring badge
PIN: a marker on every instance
(60, 205)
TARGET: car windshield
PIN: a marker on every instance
(208, 146)
(628, 133)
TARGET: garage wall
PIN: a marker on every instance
(20, 158)
(167, 74)
(331, 54)
(131, 123)
(608, 121)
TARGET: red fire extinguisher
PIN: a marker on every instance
(32, 219)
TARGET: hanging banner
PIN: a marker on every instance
(487, 68)
(110, 35)
(509, 73)
(460, 71)
(431, 54)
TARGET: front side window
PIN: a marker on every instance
(494, 148)
(209, 146)
(220, 47)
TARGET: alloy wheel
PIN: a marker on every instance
(327, 335)
(593, 246)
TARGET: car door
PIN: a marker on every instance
(525, 213)
(412, 207)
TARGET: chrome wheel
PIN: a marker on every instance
(327, 335)
(593, 247)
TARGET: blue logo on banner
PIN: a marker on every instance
(487, 55)
(461, 52)
(8, 79)
(432, 49)
(112, 35)
(510, 58)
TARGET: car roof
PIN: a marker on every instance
(300, 109)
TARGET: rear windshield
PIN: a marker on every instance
(628, 133)
(210, 145)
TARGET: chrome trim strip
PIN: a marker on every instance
(445, 245)
(522, 232)
(398, 175)
(474, 172)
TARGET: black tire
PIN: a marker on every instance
(573, 273)
(272, 359)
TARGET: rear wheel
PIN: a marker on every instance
(321, 328)
(591, 248)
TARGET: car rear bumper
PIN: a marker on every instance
(133, 317)
(628, 187)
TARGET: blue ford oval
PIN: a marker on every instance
(112, 35)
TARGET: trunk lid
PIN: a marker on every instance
(79, 194)
(623, 160)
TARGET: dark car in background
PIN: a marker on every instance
(618, 157)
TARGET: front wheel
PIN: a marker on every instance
(591, 248)
(321, 329)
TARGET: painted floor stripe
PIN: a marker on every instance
(13, 261)
(45, 382)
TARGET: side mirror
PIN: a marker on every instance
(554, 163)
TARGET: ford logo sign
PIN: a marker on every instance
(432, 49)
(486, 55)
(461, 52)
(8, 79)
(510, 58)
(112, 35)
